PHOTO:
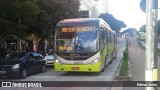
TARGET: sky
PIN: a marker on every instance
(128, 11)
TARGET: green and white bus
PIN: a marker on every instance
(84, 45)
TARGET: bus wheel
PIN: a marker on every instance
(115, 55)
(103, 67)
(110, 62)
(103, 70)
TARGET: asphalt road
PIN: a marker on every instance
(52, 75)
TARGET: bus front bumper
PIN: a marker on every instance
(78, 68)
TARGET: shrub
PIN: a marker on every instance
(125, 54)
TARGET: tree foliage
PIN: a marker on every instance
(143, 28)
(53, 11)
(129, 30)
(23, 17)
(113, 22)
(17, 17)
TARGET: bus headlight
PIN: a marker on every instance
(57, 61)
(95, 61)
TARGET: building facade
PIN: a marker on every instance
(94, 7)
(86, 6)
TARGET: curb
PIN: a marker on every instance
(124, 78)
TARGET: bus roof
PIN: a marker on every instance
(83, 21)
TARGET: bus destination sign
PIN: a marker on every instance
(77, 29)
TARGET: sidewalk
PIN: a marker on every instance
(137, 61)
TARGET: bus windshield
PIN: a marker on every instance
(78, 39)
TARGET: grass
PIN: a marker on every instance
(124, 69)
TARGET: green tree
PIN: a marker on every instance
(23, 17)
(143, 28)
(17, 17)
(52, 11)
(114, 23)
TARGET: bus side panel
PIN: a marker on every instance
(109, 57)
(104, 57)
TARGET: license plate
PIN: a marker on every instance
(2, 72)
(75, 68)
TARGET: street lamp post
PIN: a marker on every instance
(151, 70)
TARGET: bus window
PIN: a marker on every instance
(68, 37)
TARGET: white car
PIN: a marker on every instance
(49, 60)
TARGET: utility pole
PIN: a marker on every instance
(151, 70)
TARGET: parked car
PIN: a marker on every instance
(49, 60)
(21, 64)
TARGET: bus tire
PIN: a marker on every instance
(110, 62)
(104, 66)
(103, 70)
(115, 54)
